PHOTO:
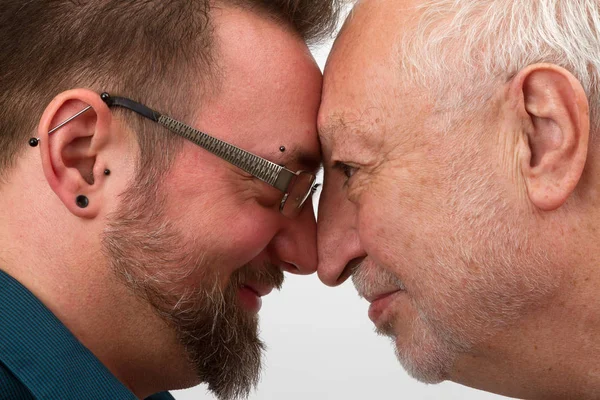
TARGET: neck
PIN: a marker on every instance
(59, 259)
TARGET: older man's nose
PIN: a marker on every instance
(296, 244)
(338, 243)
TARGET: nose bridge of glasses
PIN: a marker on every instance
(298, 192)
(307, 187)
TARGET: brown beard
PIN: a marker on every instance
(220, 338)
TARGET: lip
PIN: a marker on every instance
(380, 303)
(260, 289)
(249, 300)
(371, 298)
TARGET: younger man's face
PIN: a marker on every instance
(210, 241)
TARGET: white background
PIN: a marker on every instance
(322, 345)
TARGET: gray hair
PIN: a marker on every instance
(463, 48)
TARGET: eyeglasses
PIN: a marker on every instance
(297, 187)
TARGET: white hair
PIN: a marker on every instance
(467, 46)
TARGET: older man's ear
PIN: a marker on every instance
(556, 126)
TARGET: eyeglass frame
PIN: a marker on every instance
(267, 171)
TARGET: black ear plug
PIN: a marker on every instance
(82, 201)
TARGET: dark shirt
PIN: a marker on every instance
(41, 359)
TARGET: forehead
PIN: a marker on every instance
(269, 90)
(363, 88)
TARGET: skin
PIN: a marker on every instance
(268, 97)
(473, 236)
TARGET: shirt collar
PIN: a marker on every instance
(44, 355)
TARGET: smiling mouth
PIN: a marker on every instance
(250, 296)
(250, 288)
(374, 298)
(380, 303)
(258, 289)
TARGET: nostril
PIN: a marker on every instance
(288, 267)
(349, 269)
(354, 264)
(295, 269)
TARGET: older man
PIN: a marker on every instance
(134, 249)
(462, 178)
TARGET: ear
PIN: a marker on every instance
(556, 125)
(70, 155)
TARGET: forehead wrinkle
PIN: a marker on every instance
(337, 124)
(339, 127)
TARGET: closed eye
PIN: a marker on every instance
(346, 169)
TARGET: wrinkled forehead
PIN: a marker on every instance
(350, 130)
(363, 85)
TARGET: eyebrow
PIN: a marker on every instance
(330, 127)
(355, 134)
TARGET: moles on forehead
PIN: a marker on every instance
(365, 95)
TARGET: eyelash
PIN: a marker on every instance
(346, 169)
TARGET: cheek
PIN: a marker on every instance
(385, 235)
(393, 218)
(249, 234)
(227, 235)
(376, 227)
(402, 230)
(224, 220)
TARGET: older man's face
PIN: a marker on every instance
(418, 205)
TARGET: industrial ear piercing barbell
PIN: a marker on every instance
(33, 142)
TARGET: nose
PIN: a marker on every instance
(295, 245)
(338, 241)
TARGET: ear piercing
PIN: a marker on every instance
(82, 201)
(282, 149)
(33, 142)
(51, 131)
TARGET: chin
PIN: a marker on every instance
(190, 380)
(423, 355)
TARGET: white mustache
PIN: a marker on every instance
(370, 280)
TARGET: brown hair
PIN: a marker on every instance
(143, 49)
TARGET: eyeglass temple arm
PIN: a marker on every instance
(129, 104)
(271, 173)
(114, 101)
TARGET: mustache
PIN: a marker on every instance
(369, 278)
(268, 274)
